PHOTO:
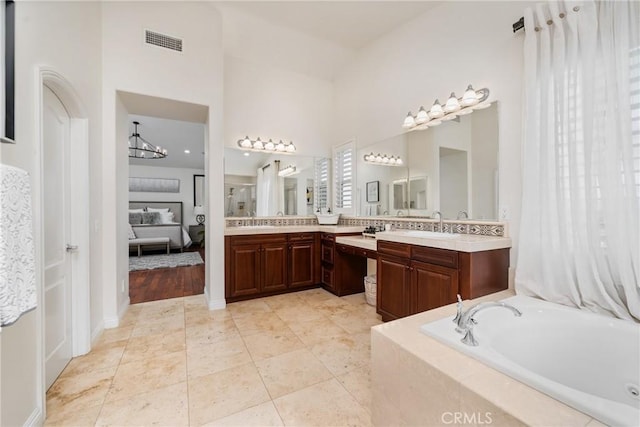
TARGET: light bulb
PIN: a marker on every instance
(470, 97)
(246, 143)
(280, 146)
(409, 121)
(422, 116)
(258, 145)
(385, 159)
(291, 148)
(399, 161)
(379, 158)
(392, 160)
(366, 157)
(452, 104)
(435, 112)
(145, 146)
(270, 145)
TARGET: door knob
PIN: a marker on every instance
(71, 248)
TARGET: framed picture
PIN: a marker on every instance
(373, 191)
(198, 190)
(155, 185)
(309, 195)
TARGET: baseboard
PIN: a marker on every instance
(114, 321)
(95, 334)
(512, 276)
(216, 304)
(35, 419)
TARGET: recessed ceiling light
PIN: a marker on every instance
(187, 151)
(246, 154)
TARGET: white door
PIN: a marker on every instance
(57, 247)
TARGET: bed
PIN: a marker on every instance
(173, 229)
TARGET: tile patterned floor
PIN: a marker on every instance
(296, 359)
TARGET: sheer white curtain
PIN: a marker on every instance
(580, 233)
(270, 190)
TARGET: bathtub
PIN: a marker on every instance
(585, 360)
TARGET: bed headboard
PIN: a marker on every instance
(175, 207)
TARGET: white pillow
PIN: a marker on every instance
(132, 234)
(157, 209)
(166, 217)
(136, 210)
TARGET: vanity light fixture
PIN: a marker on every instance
(383, 159)
(471, 100)
(289, 170)
(247, 144)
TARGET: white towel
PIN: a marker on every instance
(17, 252)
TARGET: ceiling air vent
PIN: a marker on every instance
(162, 40)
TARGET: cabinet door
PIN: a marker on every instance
(432, 286)
(393, 281)
(244, 270)
(274, 267)
(301, 264)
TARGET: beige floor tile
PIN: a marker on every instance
(258, 323)
(264, 414)
(282, 301)
(145, 375)
(113, 335)
(159, 325)
(149, 346)
(356, 299)
(76, 392)
(79, 417)
(218, 395)
(333, 306)
(208, 359)
(323, 404)
(195, 301)
(299, 313)
(354, 321)
(167, 406)
(210, 333)
(291, 371)
(242, 308)
(269, 344)
(358, 383)
(343, 354)
(316, 295)
(314, 331)
(108, 355)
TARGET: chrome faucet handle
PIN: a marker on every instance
(469, 338)
(459, 310)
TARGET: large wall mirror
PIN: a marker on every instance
(269, 184)
(450, 168)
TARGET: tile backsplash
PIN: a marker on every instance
(481, 228)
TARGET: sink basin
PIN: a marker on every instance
(328, 219)
(429, 234)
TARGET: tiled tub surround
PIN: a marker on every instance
(416, 380)
(307, 223)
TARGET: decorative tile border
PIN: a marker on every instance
(277, 221)
(483, 228)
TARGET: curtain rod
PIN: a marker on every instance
(518, 25)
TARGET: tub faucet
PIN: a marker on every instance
(466, 321)
(280, 213)
(462, 214)
(440, 216)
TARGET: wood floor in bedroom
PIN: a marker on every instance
(165, 283)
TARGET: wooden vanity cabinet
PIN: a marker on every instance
(342, 270)
(412, 279)
(267, 264)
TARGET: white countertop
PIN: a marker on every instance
(459, 242)
(271, 229)
(358, 241)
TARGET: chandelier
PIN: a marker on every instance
(454, 107)
(140, 148)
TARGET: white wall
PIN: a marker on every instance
(193, 76)
(186, 188)
(64, 37)
(269, 102)
(454, 44)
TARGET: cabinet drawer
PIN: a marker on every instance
(397, 249)
(443, 257)
(327, 275)
(367, 253)
(258, 239)
(345, 249)
(328, 237)
(297, 237)
(327, 253)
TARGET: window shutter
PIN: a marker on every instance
(322, 180)
(344, 170)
